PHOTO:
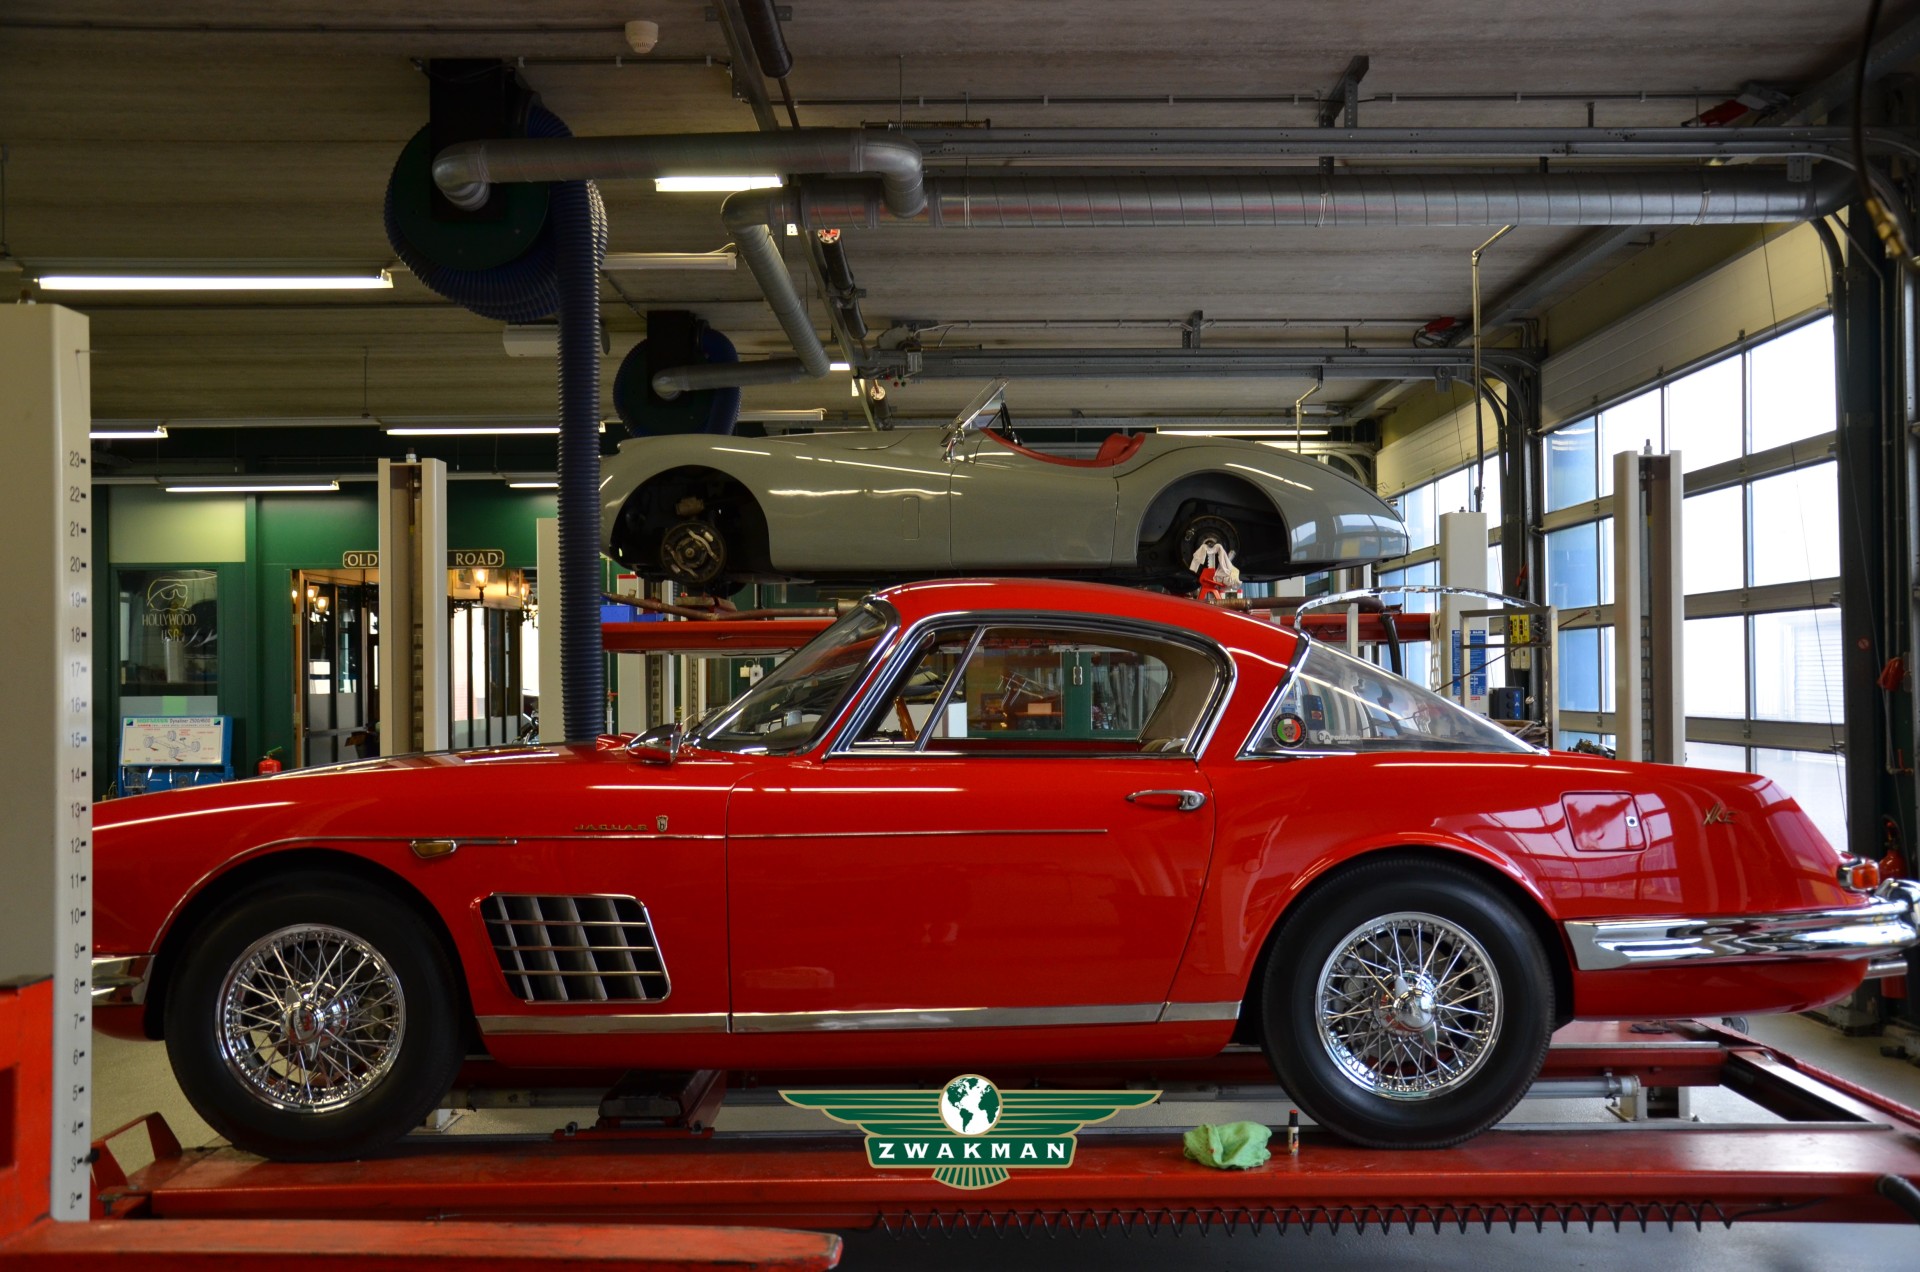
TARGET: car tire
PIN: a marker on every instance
(314, 979)
(1432, 1056)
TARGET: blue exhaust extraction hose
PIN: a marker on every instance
(559, 274)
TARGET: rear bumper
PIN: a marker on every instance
(121, 981)
(1880, 929)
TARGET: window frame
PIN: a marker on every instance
(901, 659)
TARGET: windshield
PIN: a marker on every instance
(1336, 702)
(790, 706)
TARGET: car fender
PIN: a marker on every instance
(1309, 498)
(1262, 870)
(639, 460)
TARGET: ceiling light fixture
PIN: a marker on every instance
(533, 485)
(154, 432)
(240, 487)
(715, 184)
(812, 414)
(839, 366)
(1250, 434)
(625, 262)
(147, 282)
(472, 430)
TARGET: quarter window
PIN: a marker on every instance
(1335, 702)
(1045, 690)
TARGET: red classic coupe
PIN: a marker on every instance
(973, 823)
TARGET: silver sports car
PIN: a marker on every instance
(713, 512)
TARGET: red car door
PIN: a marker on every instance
(933, 882)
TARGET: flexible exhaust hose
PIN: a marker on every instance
(579, 246)
(559, 274)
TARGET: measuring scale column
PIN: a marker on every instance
(46, 752)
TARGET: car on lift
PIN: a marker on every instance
(864, 506)
(972, 824)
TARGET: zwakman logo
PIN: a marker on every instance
(970, 1132)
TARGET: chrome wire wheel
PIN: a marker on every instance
(310, 1018)
(1408, 1005)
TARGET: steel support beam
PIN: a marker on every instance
(1866, 443)
(1649, 609)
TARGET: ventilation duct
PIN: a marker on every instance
(1692, 196)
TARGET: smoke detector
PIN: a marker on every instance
(642, 35)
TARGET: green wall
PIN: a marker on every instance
(255, 542)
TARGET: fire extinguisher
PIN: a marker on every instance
(269, 763)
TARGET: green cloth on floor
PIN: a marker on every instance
(1231, 1146)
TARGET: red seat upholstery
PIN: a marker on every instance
(1117, 449)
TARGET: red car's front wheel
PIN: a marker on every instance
(1407, 1004)
(312, 1020)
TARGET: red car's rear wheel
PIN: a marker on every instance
(1407, 1005)
(313, 1022)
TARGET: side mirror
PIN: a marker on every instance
(658, 745)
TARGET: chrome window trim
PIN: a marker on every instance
(873, 693)
(1888, 923)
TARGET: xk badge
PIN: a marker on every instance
(970, 1132)
(1718, 815)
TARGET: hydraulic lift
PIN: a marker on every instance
(1815, 1148)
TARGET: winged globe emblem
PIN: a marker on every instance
(973, 1134)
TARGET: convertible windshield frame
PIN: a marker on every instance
(709, 734)
(1254, 747)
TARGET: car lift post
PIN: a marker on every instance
(1649, 609)
(414, 644)
(1462, 641)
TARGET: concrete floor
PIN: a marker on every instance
(133, 1078)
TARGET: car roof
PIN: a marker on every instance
(916, 601)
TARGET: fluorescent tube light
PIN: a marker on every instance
(812, 414)
(214, 282)
(1245, 434)
(533, 485)
(622, 262)
(157, 432)
(714, 185)
(839, 366)
(473, 430)
(236, 488)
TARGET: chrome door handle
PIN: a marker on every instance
(1184, 801)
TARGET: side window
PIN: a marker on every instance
(1041, 689)
(1335, 702)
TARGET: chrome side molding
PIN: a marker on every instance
(906, 1018)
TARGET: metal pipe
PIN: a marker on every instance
(1206, 146)
(1479, 428)
(1694, 196)
(749, 217)
(730, 375)
(464, 171)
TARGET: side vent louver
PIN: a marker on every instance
(576, 949)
